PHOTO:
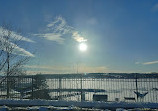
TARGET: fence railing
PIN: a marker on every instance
(107, 87)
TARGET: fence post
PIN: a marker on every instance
(8, 87)
(32, 87)
(136, 85)
(82, 93)
(60, 87)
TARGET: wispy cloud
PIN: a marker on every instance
(16, 49)
(52, 36)
(38, 67)
(137, 62)
(94, 69)
(59, 25)
(92, 21)
(20, 51)
(78, 37)
(14, 35)
(57, 29)
(82, 68)
(155, 7)
(67, 69)
(48, 69)
(149, 63)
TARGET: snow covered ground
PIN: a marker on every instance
(45, 105)
(51, 108)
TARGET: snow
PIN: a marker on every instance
(121, 109)
(50, 108)
(85, 104)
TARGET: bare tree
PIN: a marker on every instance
(11, 61)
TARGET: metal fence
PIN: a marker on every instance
(109, 87)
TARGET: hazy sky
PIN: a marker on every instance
(121, 35)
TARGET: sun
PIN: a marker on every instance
(82, 47)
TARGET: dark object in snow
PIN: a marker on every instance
(97, 97)
(155, 89)
(140, 95)
(130, 98)
(117, 99)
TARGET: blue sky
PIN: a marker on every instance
(121, 35)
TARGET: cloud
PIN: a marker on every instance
(149, 63)
(155, 7)
(14, 35)
(66, 69)
(58, 23)
(16, 49)
(137, 62)
(52, 36)
(92, 21)
(78, 37)
(20, 51)
(57, 29)
(38, 67)
(29, 72)
(93, 69)
(45, 69)
(71, 69)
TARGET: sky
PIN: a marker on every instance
(121, 35)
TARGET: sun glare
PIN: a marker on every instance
(83, 47)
